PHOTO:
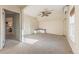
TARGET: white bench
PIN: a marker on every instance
(39, 30)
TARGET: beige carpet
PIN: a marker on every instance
(39, 44)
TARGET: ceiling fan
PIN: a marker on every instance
(46, 12)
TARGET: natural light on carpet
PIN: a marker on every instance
(30, 41)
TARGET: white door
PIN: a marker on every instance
(2, 28)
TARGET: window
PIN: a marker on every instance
(72, 27)
(72, 24)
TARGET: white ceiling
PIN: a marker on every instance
(34, 10)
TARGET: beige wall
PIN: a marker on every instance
(34, 24)
(77, 28)
(29, 23)
(53, 24)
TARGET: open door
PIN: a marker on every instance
(2, 28)
(17, 26)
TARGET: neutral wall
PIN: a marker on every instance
(29, 23)
(77, 28)
(53, 24)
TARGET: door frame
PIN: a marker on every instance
(3, 27)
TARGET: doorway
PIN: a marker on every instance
(12, 28)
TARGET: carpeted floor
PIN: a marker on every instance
(38, 44)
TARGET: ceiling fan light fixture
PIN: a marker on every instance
(46, 12)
